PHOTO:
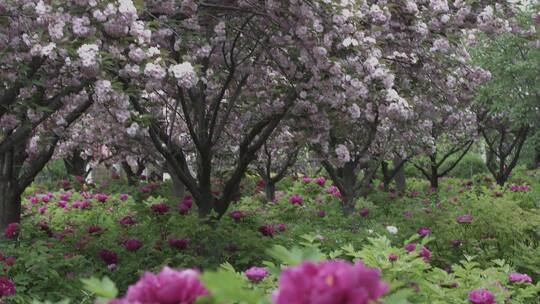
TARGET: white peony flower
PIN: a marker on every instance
(392, 229)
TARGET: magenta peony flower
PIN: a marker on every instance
(364, 212)
(167, 287)
(11, 230)
(321, 213)
(410, 247)
(178, 243)
(34, 200)
(45, 198)
(329, 282)
(320, 181)
(467, 218)
(267, 230)
(425, 254)
(407, 214)
(95, 230)
(109, 257)
(7, 288)
(62, 204)
(481, 296)
(101, 197)
(132, 244)
(160, 208)
(296, 199)
(124, 196)
(183, 208)
(127, 221)
(392, 257)
(42, 209)
(65, 196)
(188, 201)
(519, 277)
(281, 227)
(423, 231)
(256, 274)
(306, 179)
(237, 215)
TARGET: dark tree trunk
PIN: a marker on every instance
(178, 188)
(270, 191)
(10, 203)
(400, 178)
(75, 164)
(350, 186)
(434, 172)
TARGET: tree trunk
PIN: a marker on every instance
(400, 178)
(350, 188)
(10, 203)
(75, 164)
(434, 177)
(178, 188)
(270, 191)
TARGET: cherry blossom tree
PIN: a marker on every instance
(221, 77)
(53, 55)
(278, 154)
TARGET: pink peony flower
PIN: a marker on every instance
(320, 181)
(425, 254)
(178, 243)
(410, 247)
(256, 274)
(183, 208)
(329, 282)
(160, 208)
(296, 199)
(101, 197)
(167, 287)
(467, 218)
(95, 230)
(11, 230)
(237, 215)
(109, 257)
(306, 179)
(321, 213)
(267, 230)
(481, 296)
(364, 212)
(62, 204)
(45, 198)
(392, 257)
(132, 244)
(7, 288)
(124, 196)
(519, 277)
(42, 209)
(281, 227)
(34, 199)
(127, 221)
(423, 231)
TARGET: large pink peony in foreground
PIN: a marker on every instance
(329, 282)
(167, 287)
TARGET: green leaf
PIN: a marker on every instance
(228, 287)
(104, 288)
